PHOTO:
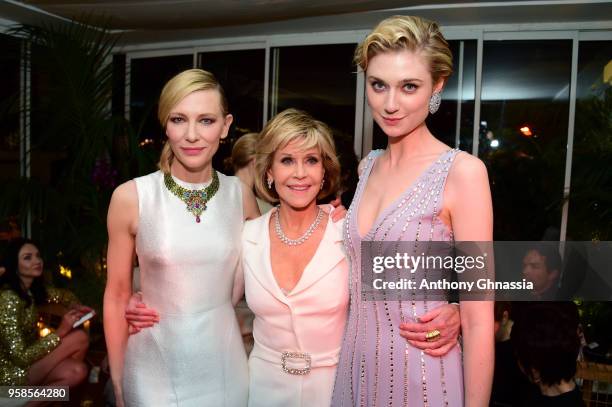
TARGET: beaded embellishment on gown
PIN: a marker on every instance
(194, 356)
(377, 367)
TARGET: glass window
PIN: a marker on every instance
(524, 117)
(9, 125)
(147, 78)
(9, 107)
(118, 101)
(46, 153)
(590, 200)
(457, 101)
(319, 79)
(241, 73)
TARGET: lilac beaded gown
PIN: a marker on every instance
(377, 367)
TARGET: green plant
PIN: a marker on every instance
(91, 150)
(591, 198)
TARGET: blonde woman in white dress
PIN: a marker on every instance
(184, 222)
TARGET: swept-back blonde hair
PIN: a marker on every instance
(175, 90)
(244, 150)
(285, 127)
(408, 33)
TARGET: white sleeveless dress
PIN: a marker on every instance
(194, 356)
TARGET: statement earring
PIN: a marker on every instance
(434, 102)
(270, 181)
(322, 183)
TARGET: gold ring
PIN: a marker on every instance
(432, 336)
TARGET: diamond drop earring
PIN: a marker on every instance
(434, 102)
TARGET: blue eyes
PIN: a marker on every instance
(205, 121)
(378, 86)
(381, 86)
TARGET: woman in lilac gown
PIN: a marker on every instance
(418, 189)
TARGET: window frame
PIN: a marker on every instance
(574, 31)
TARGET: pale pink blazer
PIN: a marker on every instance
(310, 319)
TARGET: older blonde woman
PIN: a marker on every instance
(416, 189)
(294, 266)
(184, 222)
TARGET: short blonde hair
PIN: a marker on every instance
(175, 90)
(408, 33)
(285, 127)
(244, 150)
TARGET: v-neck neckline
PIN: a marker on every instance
(268, 253)
(383, 214)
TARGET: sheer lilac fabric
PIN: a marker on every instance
(377, 366)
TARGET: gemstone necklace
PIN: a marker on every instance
(294, 242)
(195, 199)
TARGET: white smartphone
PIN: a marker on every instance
(84, 318)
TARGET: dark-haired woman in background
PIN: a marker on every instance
(546, 344)
(26, 359)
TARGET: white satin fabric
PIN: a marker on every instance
(194, 356)
(309, 319)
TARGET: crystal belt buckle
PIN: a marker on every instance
(296, 355)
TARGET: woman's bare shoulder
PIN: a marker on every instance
(123, 208)
(467, 168)
(125, 194)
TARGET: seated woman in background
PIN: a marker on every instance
(243, 163)
(26, 359)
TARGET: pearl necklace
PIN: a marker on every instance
(294, 242)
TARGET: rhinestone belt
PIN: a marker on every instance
(296, 355)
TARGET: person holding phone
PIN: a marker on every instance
(25, 358)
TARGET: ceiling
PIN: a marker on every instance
(145, 21)
(190, 14)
